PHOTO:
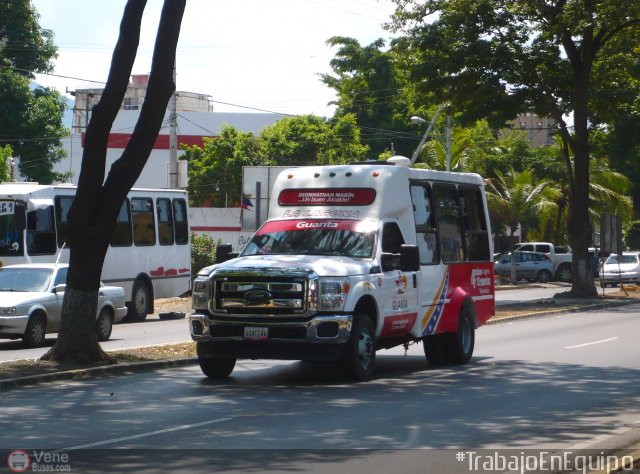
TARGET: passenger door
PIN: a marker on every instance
(398, 288)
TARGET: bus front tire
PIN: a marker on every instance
(216, 368)
(360, 350)
(139, 305)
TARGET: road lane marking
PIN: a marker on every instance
(592, 343)
(146, 435)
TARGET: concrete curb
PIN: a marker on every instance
(101, 371)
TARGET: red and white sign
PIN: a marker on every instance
(310, 224)
(327, 197)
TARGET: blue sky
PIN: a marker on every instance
(255, 53)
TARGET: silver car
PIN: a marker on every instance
(623, 268)
(530, 266)
(31, 298)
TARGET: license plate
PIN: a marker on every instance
(256, 334)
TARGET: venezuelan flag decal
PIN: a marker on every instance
(431, 319)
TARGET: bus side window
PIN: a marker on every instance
(425, 224)
(449, 223)
(63, 204)
(121, 236)
(41, 234)
(143, 222)
(180, 221)
(165, 221)
(476, 235)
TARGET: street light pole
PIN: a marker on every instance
(416, 119)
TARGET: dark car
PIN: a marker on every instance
(529, 266)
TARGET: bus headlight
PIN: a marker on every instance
(199, 293)
(332, 293)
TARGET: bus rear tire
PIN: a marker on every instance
(458, 347)
(139, 305)
(434, 349)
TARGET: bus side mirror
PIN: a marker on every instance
(409, 258)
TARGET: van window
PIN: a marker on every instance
(392, 238)
(426, 236)
(475, 226)
(449, 223)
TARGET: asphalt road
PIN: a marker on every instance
(570, 381)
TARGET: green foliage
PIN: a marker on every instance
(631, 238)
(5, 172)
(215, 171)
(371, 86)
(30, 120)
(203, 252)
(517, 198)
(25, 45)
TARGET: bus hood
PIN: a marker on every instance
(320, 264)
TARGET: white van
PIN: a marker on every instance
(353, 259)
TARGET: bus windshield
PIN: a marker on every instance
(348, 238)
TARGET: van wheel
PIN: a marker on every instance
(104, 325)
(139, 305)
(458, 347)
(360, 350)
(434, 349)
(35, 333)
(564, 273)
(216, 368)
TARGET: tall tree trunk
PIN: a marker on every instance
(579, 227)
(95, 208)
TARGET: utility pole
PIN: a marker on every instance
(173, 137)
(448, 142)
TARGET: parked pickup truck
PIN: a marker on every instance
(560, 256)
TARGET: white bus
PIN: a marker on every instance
(149, 255)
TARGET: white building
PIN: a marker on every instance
(195, 120)
(191, 128)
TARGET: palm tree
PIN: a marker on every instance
(608, 193)
(514, 198)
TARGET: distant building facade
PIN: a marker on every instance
(539, 130)
(195, 120)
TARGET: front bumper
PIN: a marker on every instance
(321, 338)
(621, 278)
(13, 325)
(321, 329)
